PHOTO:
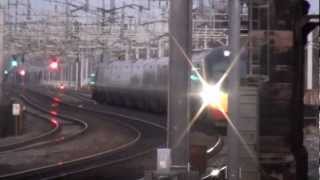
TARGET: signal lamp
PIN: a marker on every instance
(214, 97)
(14, 63)
(22, 72)
(194, 77)
(53, 65)
(226, 53)
(61, 86)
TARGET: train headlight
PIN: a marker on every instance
(214, 97)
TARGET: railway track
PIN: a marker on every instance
(153, 135)
(143, 143)
(55, 135)
(87, 103)
(25, 142)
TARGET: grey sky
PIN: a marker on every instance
(43, 4)
(314, 6)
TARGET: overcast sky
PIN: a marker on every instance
(43, 4)
(314, 6)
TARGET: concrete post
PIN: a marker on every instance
(179, 69)
(234, 87)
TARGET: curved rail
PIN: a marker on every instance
(13, 146)
(99, 155)
(215, 149)
(81, 123)
(210, 153)
(78, 160)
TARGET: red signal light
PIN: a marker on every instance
(53, 65)
(61, 87)
(22, 72)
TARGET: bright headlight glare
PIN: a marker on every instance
(210, 95)
(213, 96)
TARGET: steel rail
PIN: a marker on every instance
(81, 160)
(13, 146)
(98, 157)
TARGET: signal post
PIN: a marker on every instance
(233, 169)
(180, 32)
(1, 42)
(177, 152)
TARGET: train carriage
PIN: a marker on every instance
(143, 84)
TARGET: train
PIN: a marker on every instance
(143, 84)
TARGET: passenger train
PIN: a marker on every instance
(143, 84)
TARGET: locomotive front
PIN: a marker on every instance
(209, 83)
(208, 98)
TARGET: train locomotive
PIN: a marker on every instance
(143, 84)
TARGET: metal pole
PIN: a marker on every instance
(309, 70)
(67, 19)
(234, 83)
(1, 42)
(178, 109)
(78, 73)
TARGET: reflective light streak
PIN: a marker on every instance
(215, 172)
(54, 113)
(213, 147)
(54, 104)
(188, 59)
(244, 143)
(56, 99)
(54, 121)
(193, 120)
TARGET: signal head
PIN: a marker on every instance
(22, 72)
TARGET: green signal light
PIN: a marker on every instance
(194, 77)
(14, 63)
